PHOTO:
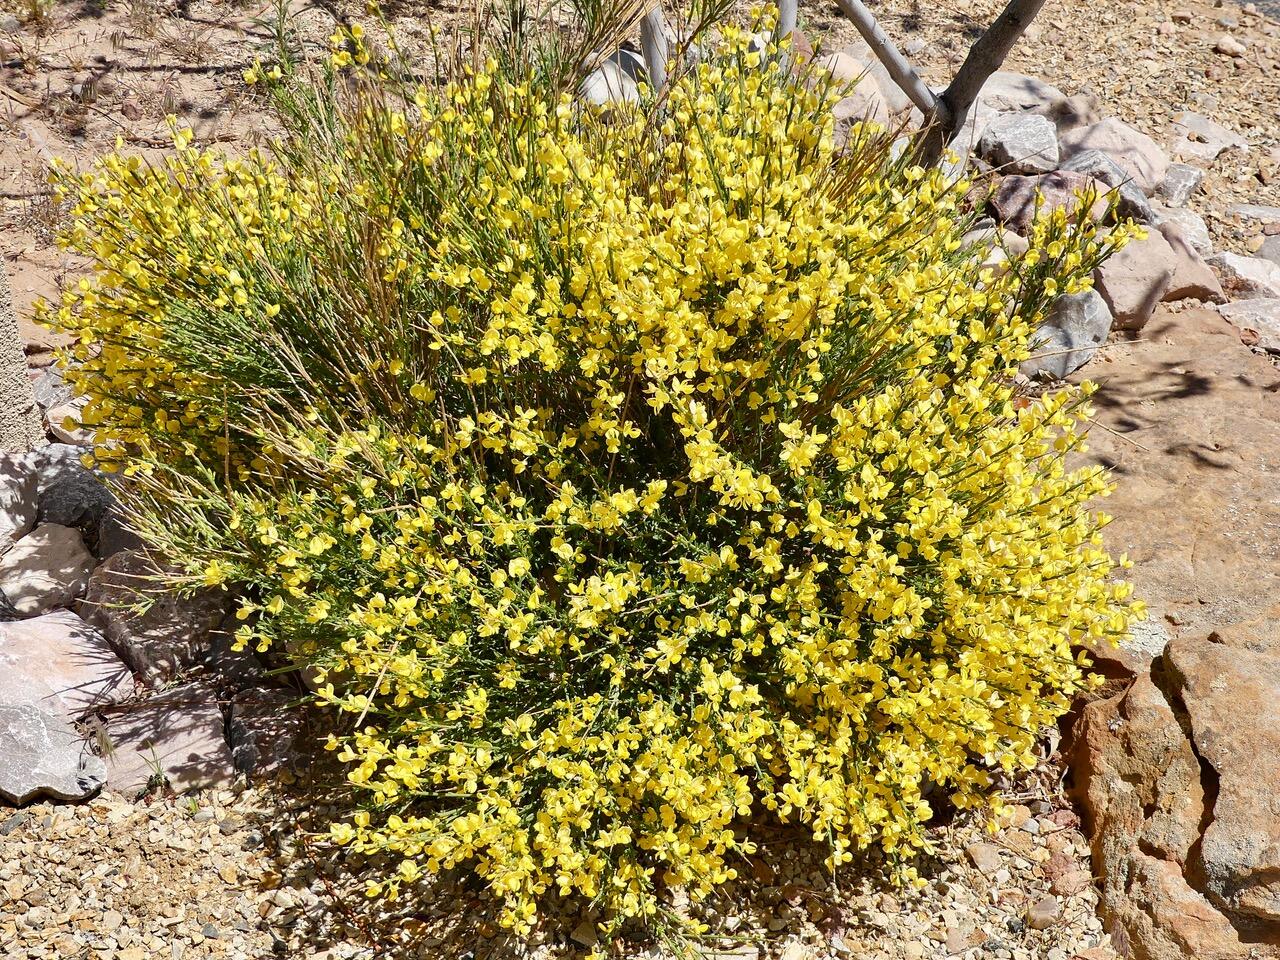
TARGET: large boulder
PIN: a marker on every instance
(157, 632)
(1020, 143)
(54, 670)
(1177, 777)
(1189, 428)
(1270, 250)
(1069, 336)
(47, 568)
(1139, 155)
(1135, 279)
(18, 497)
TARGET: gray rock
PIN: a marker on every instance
(176, 736)
(1069, 336)
(1006, 91)
(51, 389)
(611, 82)
(76, 499)
(155, 631)
(115, 534)
(1132, 202)
(1180, 183)
(1261, 316)
(1190, 223)
(18, 497)
(43, 755)
(1199, 138)
(71, 494)
(47, 568)
(1246, 278)
(1254, 211)
(54, 670)
(1270, 250)
(1020, 143)
(1139, 155)
(263, 728)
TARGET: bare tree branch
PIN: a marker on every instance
(903, 74)
(786, 18)
(986, 56)
(945, 114)
(654, 47)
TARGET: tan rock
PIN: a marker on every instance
(1232, 697)
(1134, 280)
(1192, 278)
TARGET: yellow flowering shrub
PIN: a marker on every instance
(625, 477)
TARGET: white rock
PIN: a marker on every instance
(64, 422)
(43, 755)
(1180, 182)
(47, 568)
(1192, 225)
(1262, 316)
(1246, 278)
(53, 669)
(1254, 211)
(1020, 143)
(1199, 138)
(1133, 150)
(19, 497)
(607, 84)
(1230, 46)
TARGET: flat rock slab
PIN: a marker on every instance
(42, 754)
(1196, 416)
(62, 663)
(178, 735)
(53, 670)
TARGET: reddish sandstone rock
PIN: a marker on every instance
(1015, 199)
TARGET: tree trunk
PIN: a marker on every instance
(20, 425)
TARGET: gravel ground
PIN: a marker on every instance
(238, 874)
